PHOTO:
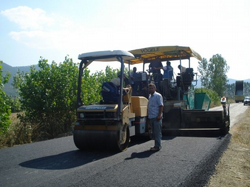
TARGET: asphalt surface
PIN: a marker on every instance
(182, 161)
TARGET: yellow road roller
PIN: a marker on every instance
(109, 124)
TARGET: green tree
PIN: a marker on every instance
(48, 97)
(246, 88)
(230, 90)
(92, 84)
(218, 78)
(5, 110)
(213, 74)
(203, 72)
(14, 103)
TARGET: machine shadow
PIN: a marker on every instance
(65, 160)
(75, 158)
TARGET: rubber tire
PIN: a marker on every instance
(123, 147)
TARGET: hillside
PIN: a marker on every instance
(8, 88)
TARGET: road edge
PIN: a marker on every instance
(205, 169)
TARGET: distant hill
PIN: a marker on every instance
(8, 88)
(230, 81)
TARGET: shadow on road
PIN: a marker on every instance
(74, 158)
(65, 160)
(144, 154)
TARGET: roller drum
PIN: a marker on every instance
(100, 140)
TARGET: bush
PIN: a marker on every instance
(215, 99)
(4, 107)
(48, 97)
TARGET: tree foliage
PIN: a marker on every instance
(5, 110)
(215, 98)
(213, 74)
(230, 90)
(246, 88)
(204, 73)
(92, 84)
(48, 96)
(218, 68)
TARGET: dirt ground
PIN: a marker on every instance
(233, 168)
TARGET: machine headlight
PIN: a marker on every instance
(81, 115)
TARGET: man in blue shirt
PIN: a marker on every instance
(155, 108)
(168, 71)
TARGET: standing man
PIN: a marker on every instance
(155, 67)
(155, 108)
(182, 69)
(168, 71)
(134, 83)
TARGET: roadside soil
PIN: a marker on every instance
(233, 168)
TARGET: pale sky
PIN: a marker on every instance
(54, 29)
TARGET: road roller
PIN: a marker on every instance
(109, 124)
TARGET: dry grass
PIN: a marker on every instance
(233, 169)
(17, 134)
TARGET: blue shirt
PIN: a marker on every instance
(154, 102)
(168, 72)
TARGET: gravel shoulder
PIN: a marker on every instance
(233, 168)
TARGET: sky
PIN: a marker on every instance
(56, 29)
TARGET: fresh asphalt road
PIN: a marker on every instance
(182, 161)
(236, 109)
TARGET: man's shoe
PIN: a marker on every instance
(154, 149)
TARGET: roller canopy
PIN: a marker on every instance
(104, 56)
(163, 53)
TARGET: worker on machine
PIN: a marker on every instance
(168, 71)
(134, 83)
(182, 69)
(116, 82)
(155, 67)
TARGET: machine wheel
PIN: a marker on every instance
(102, 140)
(123, 140)
(78, 140)
(224, 131)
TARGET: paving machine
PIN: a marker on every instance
(185, 112)
(110, 123)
